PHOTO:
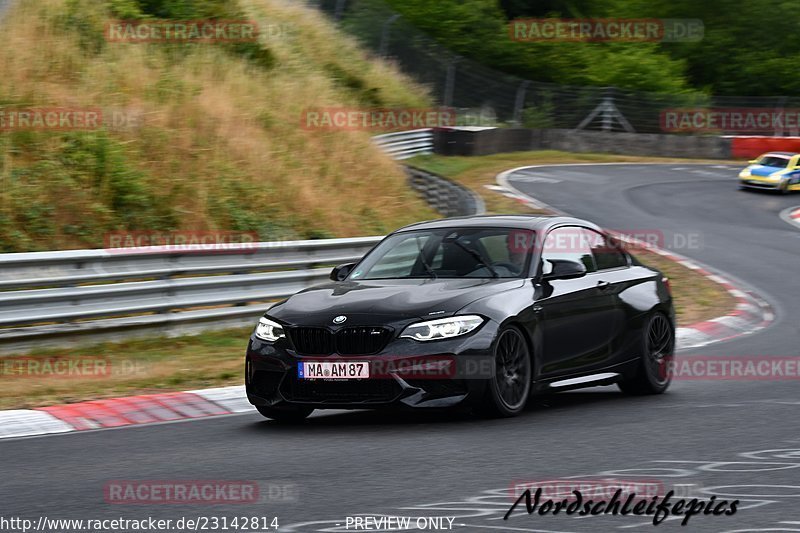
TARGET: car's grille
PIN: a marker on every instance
(361, 340)
(312, 341)
(366, 390)
(356, 340)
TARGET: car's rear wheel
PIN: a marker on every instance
(288, 414)
(658, 351)
(510, 386)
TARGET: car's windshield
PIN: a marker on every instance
(449, 253)
(773, 161)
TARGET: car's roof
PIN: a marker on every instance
(532, 222)
(781, 154)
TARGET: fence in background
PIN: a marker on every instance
(498, 98)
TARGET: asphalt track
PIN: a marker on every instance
(704, 437)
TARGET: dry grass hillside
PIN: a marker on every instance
(211, 136)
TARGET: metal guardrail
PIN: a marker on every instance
(447, 197)
(406, 144)
(80, 293)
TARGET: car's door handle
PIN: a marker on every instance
(603, 285)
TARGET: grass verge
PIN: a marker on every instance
(213, 359)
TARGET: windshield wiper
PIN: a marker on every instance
(477, 256)
(422, 260)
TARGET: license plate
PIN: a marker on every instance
(333, 370)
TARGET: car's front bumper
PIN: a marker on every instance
(406, 374)
(756, 182)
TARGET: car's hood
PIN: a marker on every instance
(761, 170)
(369, 302)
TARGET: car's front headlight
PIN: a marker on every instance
(744, 173)
(268, 330)
(442, 328)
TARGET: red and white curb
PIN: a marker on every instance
(751, 314)
(119, 412)
(792, 216)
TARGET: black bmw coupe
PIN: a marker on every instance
(481, 312)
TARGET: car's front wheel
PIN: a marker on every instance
(288, 414)
(510, 386)
(652, 374)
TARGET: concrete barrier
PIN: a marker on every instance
(645, 144)
(483, 141)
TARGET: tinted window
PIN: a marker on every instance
(607, 253)
(570, 243)
(399, 260)
(450, 253)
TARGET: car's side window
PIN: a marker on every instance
(607, 254)
(569, 243)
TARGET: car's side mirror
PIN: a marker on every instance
(564, 269)
(342, 271)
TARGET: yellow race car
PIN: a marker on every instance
(777, 171)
